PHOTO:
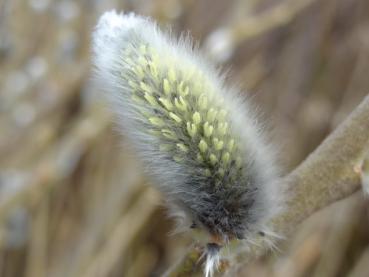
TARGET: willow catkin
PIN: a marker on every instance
(197, 139)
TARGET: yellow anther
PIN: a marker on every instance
(210, 94)
(203, 146)
(168, 134)
(180, 103)
(166, 87)
(231, 145)
(189, 73)
(144, 112)
(185, 91)
(221, 172)
(178, 159)
(151, 99)
(238, 162)
(182, 147)
(208, 129)
(218, 145)
(132, 84)
(154, 71)
(207, 173)
(198, 86)
(129, 61)
(155, 132)
(154, 55)
(182, 90)
(137, 99)
(222, 128)
(128, 51)
(156, 121)
(165, 147)
(171, 75)
(145, 87)
(142, 61)
(180, 87)
(175, 117)
(191, 129)
(203, 101)
(222, 115)
(143, 49)
(196, 118)
(139, 71)
(199, 157)
(225, 158)
(166, 103)
(211, 115)
(213, 159)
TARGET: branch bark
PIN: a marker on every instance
(330, 173)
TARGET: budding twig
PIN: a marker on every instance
(327, 175)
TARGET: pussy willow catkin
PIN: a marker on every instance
(198, 141)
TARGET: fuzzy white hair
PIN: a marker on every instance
(198, 139)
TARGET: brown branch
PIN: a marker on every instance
(330, 173)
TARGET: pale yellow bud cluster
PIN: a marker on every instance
(183, 108)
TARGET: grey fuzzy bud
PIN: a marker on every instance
(197, 138)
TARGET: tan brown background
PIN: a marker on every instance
(73, 202)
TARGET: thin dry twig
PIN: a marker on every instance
(59, 162)
(279, 16)
(37, 258)
(122, 236)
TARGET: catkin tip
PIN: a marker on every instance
(212, 259)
